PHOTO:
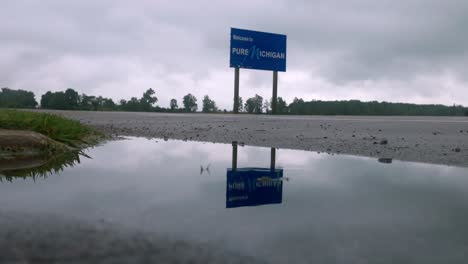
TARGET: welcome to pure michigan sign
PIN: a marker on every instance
(257, 50)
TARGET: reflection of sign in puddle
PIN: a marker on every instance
(253, 186)
(385, 160)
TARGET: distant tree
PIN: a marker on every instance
(45, 99)
(266, 106)
(133, 105)
(297, 106)
(72, 98)
(55, 100)
(209, 105)
(254, 104)
(122, 104)
(107, 104)
(356, 107)
(87, 102)
(145, 103)
(17, 99)
(190, 103)
(173, 104)
(249, 105)
(241, 105)
(148, 100)
(96, 102)
(281, 106)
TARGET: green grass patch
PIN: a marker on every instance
(58, 128)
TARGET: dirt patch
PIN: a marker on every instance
(20, 143)
(31, 154)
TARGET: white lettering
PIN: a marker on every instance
(237, 186)
(261, 184)
(241, 38)
(272, 55)
(260, 53)
(239, 51)
(238, 198)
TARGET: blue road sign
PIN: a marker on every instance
(257, 50)
(253, 186)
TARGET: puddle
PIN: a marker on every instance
(282, 206)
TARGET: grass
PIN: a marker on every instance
(58, 128)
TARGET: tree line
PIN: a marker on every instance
(356, 107)
(72, 100)
(17, 99)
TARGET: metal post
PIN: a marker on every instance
(236, 91)
(273, 158)
(274, 100)
(234, 155)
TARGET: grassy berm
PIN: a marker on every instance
(34, 144)
(57, 128)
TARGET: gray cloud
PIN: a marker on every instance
(412, 51)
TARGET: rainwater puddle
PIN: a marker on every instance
(281, 206)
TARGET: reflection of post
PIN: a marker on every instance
(234, 155)
(274, 99)
(236, 91)
(273, 158)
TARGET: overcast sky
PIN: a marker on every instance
(397, 50)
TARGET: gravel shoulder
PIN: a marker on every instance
(438, 140)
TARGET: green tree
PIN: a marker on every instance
(145, 103)
(17, 99)
(122, 104)
(241, 105)
(281, 106)
(173, 104)
(72, 98)
(356, 107)
(254, 104)
(297, 106)
(148, 100)
(266, 106)
(55, 100)
(190, 103)
(87, 102)
(107, 104)
(249, 105)
(133, 105)
(208, 105)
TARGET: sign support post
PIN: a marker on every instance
(274, 102)
(234, 155)
(236, 90)
(273, 159)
